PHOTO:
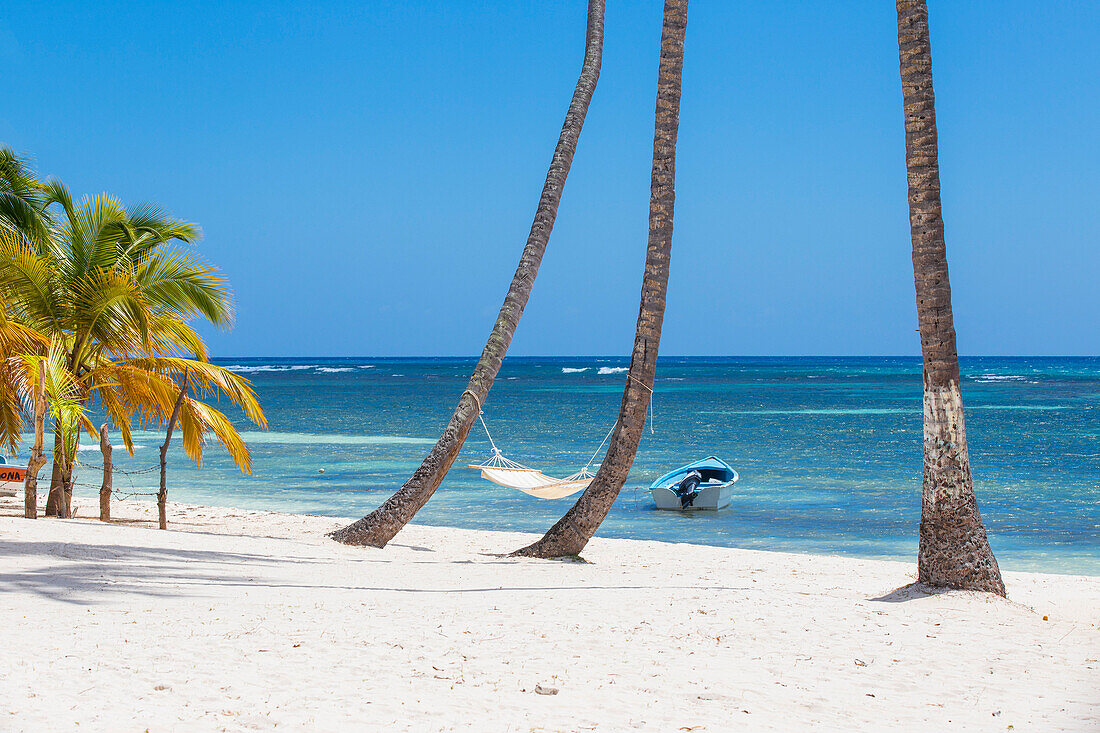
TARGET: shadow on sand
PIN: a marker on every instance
(910, 592)
(87, 574)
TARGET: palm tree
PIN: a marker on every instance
(573, 531)
(49, 381)
(380, 526)
(110, 284)
(170, 392)
(954, 551)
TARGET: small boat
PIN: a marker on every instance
(12, 478)
(705, 484)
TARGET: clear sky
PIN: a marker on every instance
(366, 173)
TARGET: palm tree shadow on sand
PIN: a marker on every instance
(910, 592)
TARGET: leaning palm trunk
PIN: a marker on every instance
(37, 460)
(573, 531)
(380, 526)
(954, 551)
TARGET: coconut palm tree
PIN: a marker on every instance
(953, 551)
(380, 526)
(573, 531)
(110, 283)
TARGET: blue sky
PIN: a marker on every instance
(366, 173)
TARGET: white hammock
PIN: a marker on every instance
(506, 472)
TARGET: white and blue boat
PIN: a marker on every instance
(705, 484)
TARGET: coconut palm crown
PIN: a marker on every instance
(118, 287)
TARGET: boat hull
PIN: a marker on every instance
(709, 498)
(12, 479)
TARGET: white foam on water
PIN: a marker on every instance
(613, 370)
(333, 370)
(574, 370)
(999, 378)
(247, 369)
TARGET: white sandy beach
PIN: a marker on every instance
(244, 620)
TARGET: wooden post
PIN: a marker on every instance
(162, 496)
(37, 460)
(105, 489)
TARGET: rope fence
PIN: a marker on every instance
(120, 494)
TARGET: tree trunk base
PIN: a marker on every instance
(360, 534)
(562, 541)
(54, 502)
(959, 558)
(382, 525)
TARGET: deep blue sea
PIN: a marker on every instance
(829, 449)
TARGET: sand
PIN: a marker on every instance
(245, 620)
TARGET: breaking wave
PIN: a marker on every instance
(248, 369)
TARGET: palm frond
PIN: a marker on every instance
(207, 379)
(179, 281)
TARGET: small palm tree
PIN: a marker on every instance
(953, 551)
(381, 525)
(49, 383)
(169, 391)
(573, 531)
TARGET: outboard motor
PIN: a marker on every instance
(689, 489)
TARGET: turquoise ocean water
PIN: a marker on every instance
(829, 449)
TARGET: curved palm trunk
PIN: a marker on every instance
(380, 526)
(954, 551)
(573, 531)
